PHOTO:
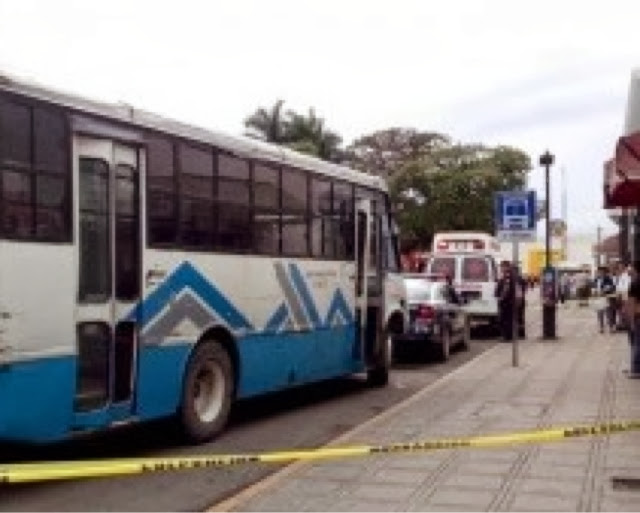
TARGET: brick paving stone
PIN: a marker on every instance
(548, 470)
(381, 492)
(623, 500)
(493, 455)
(537, 502)
(549, 486)
(486, 467)
(399, 476)
(359, 505)
(482, 481)
(309, 487)
(424, 467)
(334, 472)
(275, 502)
(561, 457)
(476, 500)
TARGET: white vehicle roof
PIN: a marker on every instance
(239, 145)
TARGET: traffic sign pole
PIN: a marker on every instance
(516, 328)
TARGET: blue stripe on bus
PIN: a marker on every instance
(340, 306)
(36, 399)
(277, 320)
(305, 295)
(278, 361)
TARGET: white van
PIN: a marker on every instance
(470, 259)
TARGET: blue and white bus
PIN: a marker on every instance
(149, 268)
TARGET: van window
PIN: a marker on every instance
(475, 269)
(445, 266)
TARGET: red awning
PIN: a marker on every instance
(622, 174)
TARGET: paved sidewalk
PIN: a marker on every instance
(578, 379)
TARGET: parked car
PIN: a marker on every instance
(436, 316)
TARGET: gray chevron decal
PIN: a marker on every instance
(184, 307)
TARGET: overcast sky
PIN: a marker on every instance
(533, 74)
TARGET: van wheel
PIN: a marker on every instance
(379, 375)
(207, 392)
(444, 349)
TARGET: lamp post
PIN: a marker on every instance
(549, 277)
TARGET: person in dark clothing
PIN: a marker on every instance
(521, 294)
(506, 294)
(605, 307)
(632, 310)
(452, 295)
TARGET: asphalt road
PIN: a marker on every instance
(306, 417)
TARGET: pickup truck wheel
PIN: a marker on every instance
(444, 349)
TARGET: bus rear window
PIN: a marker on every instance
(475, 269)
(443, 266)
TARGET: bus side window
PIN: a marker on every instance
(343, 219)
(234, 223)
(35, 172)
(294, 213)
(266, 214)
(322, 239)
(161, 210)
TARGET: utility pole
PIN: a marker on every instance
(565, 233)
(549, 275)
(598, 246)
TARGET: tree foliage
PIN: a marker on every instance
(305, 133)
(453, 188)
(385, 152)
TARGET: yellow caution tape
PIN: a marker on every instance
(81, 469)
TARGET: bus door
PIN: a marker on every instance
(108, 282)
(366, 321)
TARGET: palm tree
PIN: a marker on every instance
(267, 124)
(309, 135)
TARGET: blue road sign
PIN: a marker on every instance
(515, 215)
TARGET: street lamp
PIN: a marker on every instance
(548, 277)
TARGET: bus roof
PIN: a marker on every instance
(242, 146)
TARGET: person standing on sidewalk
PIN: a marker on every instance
(506, 294)
(633, 319)
(622, 289)
(605, 302)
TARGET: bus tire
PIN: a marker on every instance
(378, 376)
(207, 392)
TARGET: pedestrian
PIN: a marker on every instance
(450, 290)
(605, 304)
(505, 293)
(622, 288)
(633, 319)
(521, 299)
(564, 287)
(583, 285)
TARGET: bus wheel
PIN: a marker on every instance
(378, 376)
(207, 392)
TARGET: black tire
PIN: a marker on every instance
(207, 392)
(378, 376)
(444, 347)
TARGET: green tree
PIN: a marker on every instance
(384, 152)
(304, 133)
(452, 188)
(308, 134)
(267, 124)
